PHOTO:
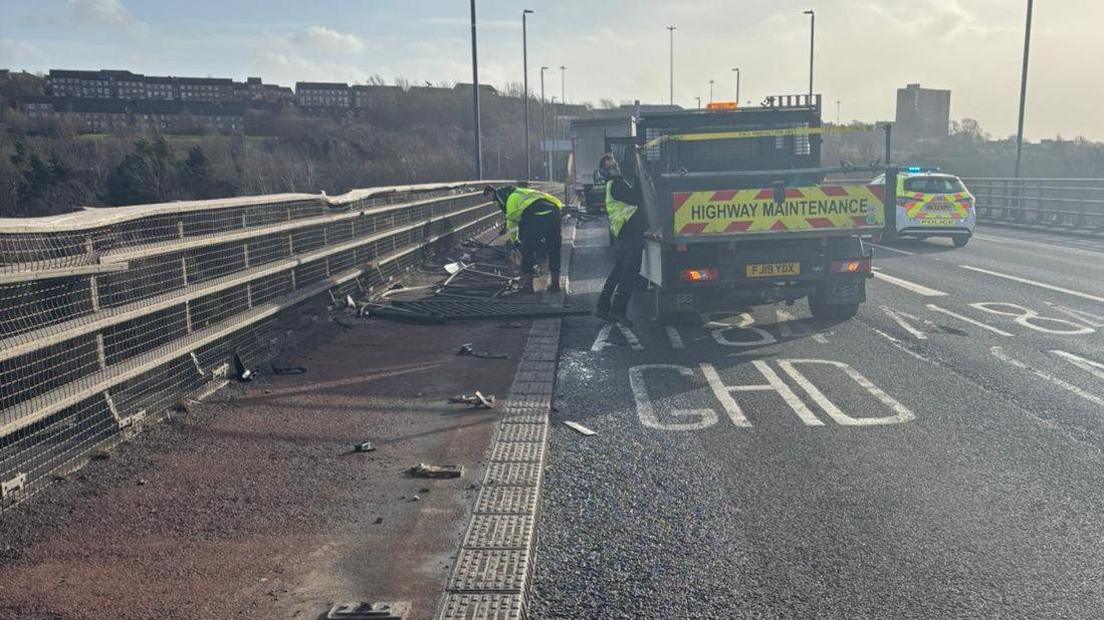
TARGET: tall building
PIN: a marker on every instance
(323, 94)
(923, 112)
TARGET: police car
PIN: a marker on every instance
(933, 204)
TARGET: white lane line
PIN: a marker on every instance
(1049, 287)
(966, 319)
(899, 318)
(674, 337)
(900, 345)
(999, 353)
(1092, 367)
(919, 289)
(893, 249)
(1062, 244)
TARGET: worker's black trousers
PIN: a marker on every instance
(624, 278)
(535, 231)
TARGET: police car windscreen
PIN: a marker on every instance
(933, 185)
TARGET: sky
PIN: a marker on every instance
(617, 49)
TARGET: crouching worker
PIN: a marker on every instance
(533, 219)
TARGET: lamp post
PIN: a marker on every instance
(551, 174)
(812, 39)
(837, 112)
(525, 89)
(699, 102)
(671, 30)
(737, 70)
(475, 99)
(710, 91)
(563, 95)
(544, 133)
(1023, 89)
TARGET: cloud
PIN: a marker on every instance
(319, 39)
(101, 13)
(20, 53)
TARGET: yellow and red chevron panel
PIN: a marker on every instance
(816, 207)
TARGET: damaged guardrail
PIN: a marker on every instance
(110, 316)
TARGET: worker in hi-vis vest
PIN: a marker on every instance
(627, 225)
(532, 218)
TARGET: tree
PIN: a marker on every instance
(144, 176)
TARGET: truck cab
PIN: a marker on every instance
(739, 213)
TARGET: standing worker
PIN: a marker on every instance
(533, 218)
(627, 225)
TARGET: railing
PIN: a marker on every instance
(110, 316)
(1076, 204)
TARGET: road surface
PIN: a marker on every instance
(939, 454)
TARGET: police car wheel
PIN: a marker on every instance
(960, 240)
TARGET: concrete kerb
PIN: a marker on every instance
(493, 569)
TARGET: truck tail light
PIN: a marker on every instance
(699, 275)
(851, 265)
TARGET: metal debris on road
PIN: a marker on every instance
(425, 470)
(580, 428)
(477, 400)
(466, 350)
(365, 446)
(369, 611)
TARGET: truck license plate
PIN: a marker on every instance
(769, 270)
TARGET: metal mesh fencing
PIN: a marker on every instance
(109, 316)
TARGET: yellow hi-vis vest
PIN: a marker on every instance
(520, 200)
(616, 211)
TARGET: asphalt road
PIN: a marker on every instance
(937, 455)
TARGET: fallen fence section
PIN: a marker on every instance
(108, 317)
(1068, 204)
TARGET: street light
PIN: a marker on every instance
(812, 38)
(563, 97)
(837, 112)
(544, 135)
(551, 174)
(525, 88)
(699, 102)
(737, 70)
(475, 99)
(710, 91)
(1023, 89)
(671, 29)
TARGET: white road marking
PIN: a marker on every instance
(1088, 318)
(900, 415)
(1049, 287)
(906, 253)
(784, 330)
(919, 289)
(645, 410)
(900, 345)
(1030, 318)
(602, 340)
(674, 337)
(744, 322)
(966, 319)
(1093, 367)
(1060, 243)
(999, 353)
(899, 317)
(774, 383)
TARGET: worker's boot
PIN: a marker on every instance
(526, 284)
(620, 310)
(554, 282)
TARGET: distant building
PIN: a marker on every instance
(160, 88)
(85, 84)
(923, 112)
(213, 90)
(323, 94)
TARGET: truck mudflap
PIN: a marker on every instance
(843, 290)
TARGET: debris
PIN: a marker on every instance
(454, 268)
(477, 400)
(362, 310)
(423, 490)
(378, 520)
(467, 350)
(141, 481)
(510, 325)
(350, 302)
(288, 370)
(101, 455)
(416, 498)
(365, 446)
(580, 428)
(241, 373)
(424, 470)
(369, 611)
